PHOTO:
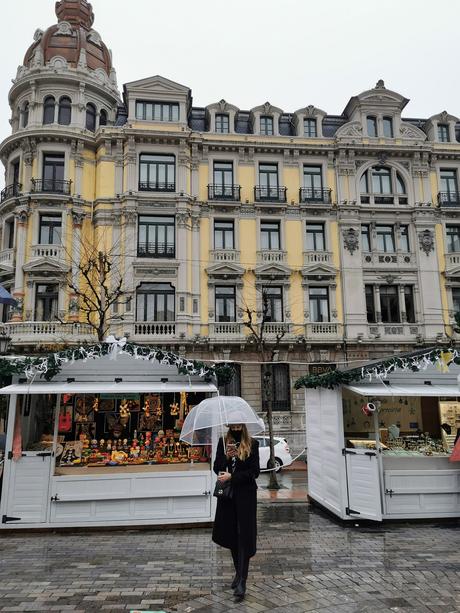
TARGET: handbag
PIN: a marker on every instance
(223, 491)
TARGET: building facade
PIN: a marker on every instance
(343, 229)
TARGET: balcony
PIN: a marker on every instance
(271, 255)
(323, 331)
(224, 255)
(10, 191)
(382, 199)
(147, 186)
(448, 199)
(391, 330)
(7, 257)
(315, 196)
(156, 250)
(276, 328)
(225, 330)
(151, 330)
(52, 332)
(230, 193)
(51, 186)
(317, 257)
(269, 194)
(56, 252)
(384, 259)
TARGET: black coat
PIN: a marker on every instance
(235, 524)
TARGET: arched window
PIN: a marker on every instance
(65, 111)
(48, 110)
(382, 185)
(25, 115)
(103, 118)
(91, 117)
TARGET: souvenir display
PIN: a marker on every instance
(65, 419)
(132, 432)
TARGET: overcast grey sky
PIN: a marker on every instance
(290, 52)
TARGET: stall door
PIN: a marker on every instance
(27, 478)
(28, 489)
(363, 484)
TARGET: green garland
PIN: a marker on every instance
(411, 362)
(48, 366)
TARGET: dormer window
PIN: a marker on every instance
(91, 117)
(309, 128)
(157, 111)
(388, 127)
(65, 111)
(372, 126)
(48, 110)
(222, 123)
(25, 115)
(266, 125)
(443, 133)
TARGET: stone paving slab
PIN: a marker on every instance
(306, 562)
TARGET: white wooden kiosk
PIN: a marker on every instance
(355, 482)
(37, 492)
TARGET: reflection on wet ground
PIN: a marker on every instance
(293, 482)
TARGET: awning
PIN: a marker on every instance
(381, 389)
(109, 387)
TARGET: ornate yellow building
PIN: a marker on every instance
(345, 226)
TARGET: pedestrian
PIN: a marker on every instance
(235, 524)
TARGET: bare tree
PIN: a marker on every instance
(98, 287)
(267, 349)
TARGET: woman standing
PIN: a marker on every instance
(235, 524)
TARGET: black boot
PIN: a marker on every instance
(240, 590)
(236, 578)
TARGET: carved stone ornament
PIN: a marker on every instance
(351, 240)
(223, 105)
(64, 29)
(426, 239)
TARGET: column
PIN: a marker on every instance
(130, 159)
(21, 236)
(130, 250)
(182, 221)
(196, 268)
(77, 222)
(402, 304)
(378, 310)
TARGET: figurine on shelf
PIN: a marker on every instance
(124, 412)
(146, 407)
(95, 407)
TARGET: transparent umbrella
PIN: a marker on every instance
(215, 414)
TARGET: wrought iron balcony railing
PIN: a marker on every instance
(156, 250)
(449, 198)
(147, 186)
(224, 192)
(10, 191)
(384, 199)
(309, 194)
(269, 194)
(51, 186)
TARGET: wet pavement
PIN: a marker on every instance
(292, 481)
(306, 562)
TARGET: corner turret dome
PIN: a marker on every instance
(72, 38)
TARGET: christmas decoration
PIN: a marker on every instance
(441, 357)
(50, 365)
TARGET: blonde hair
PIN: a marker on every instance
(244, 448)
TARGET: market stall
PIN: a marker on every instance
(98, 444)
(379, 438)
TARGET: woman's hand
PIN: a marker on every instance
(232, 452)
(224, 477)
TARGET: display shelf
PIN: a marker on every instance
(85, 471)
